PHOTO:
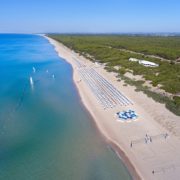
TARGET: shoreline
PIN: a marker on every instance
(113, 145)
(111, 131)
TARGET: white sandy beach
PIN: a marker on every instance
(159, 159)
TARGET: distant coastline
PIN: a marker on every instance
(163, 34)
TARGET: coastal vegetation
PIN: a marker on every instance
(114, 51)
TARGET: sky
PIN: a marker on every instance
(89, 16)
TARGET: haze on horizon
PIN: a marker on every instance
(90, 16)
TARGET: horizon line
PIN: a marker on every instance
(134, 33)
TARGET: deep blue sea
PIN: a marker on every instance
(45, 131)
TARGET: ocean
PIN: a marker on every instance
(45, 131)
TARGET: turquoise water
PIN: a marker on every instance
(45, 132)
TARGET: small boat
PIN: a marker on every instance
(34, 69)
(31, 80)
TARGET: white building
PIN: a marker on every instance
(133, 59)
(148, 63)
(144, 62)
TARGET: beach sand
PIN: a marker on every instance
(158, 159)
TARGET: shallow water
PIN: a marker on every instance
(45, 132)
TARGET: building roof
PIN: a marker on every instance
(147, 63)
(144, 62)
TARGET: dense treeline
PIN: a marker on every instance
(105, 50)
(166, 47)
